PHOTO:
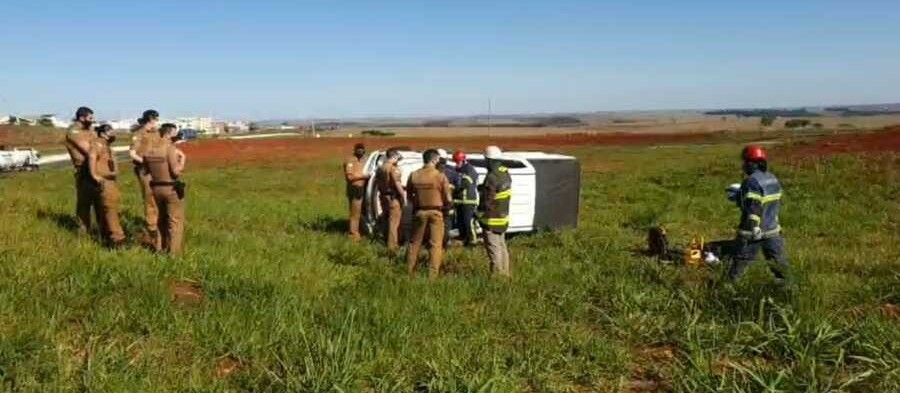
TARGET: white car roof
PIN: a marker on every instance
(514, 155)
(537, 155)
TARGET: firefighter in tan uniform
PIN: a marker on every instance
(392, 197)
(429, 193)
(165, 163)
(356, 187)
(78, 143)
(103, 169)
(145, 135)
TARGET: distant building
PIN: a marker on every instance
(51, 121)
(122, 125)
(60, 123)
(42, 120)
(201, 124)
(236, 127)
(217, 128)
(20, 121)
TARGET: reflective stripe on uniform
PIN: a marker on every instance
(502, 169)
(465, 201)
(775, 231)
(469, 178)
(503, 194)
(754, 217)
(763, 198)
(495, 222)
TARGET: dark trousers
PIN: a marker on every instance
(86, 197)
(465, 221)
(747, 250)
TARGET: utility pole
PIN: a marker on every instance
(490, 119)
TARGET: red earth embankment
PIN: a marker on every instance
(885, 140)
(293, 150)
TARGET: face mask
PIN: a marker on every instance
(359, 153)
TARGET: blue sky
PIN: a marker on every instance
(294, 59)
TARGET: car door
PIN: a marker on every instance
(371, 207)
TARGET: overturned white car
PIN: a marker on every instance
(545, 189)
(19, 160)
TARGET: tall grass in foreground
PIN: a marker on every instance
(294, 307)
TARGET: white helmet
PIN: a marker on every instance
(492, 152)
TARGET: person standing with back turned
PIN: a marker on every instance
(146, 135)
(465, 197)
(78, 143)
(356, 188)
(494, 211)
(760, 202)
(165, 164)
(392, 197)
(429, 194)
(449, 213)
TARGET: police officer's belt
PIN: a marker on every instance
(155, 183)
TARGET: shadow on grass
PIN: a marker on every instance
(64, 221)
(131, 224)
(326, 224)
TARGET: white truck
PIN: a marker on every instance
(545, 189)
(19, 160)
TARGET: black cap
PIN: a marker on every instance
(150, 114)
(83, 111)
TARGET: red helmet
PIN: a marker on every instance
(459, 156)
(754, 153)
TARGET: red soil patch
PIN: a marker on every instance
(890, 310)
(885, 140)
(185, 292)
(37, 137)
(293, 150)
(226, 367)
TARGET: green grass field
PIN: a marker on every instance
(290, 306)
